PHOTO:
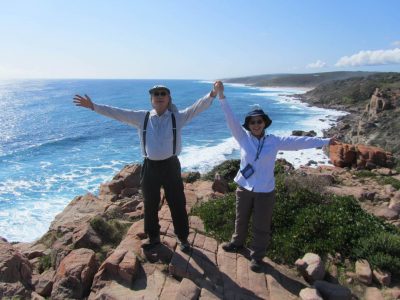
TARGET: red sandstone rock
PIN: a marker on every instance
(74, 275)
(43, 283)
(14, 266)
(130, 176)
(362, 156)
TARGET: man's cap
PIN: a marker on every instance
(256, 112)
(159, 87)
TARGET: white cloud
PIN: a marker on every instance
(396, 43)
(377, 57)
(316, 65)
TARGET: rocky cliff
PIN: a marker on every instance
(93, 249)
(377, 123)
(372, 100)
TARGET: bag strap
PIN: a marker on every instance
(174, 132)
(146, 120)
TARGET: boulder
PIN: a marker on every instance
(220, 184)
(14, 267)
(130, 205)
(74, 275)
(80, 210)
(129, 192)
(33, 251)
(386, 213)
(113, 187)
(43, 283)
(394, 204)
(377, 104)
(363, 271)
(311, 267)
(130, 176)
(343, 155)
(122, 265)
(393, 293)
(373, 293)
(360, 156)
(85, 236)
(310, 294)
(15, 290)
(382, 277)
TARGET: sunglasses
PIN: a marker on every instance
(162, 94)
(258, 122)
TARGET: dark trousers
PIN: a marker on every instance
(261, 205)
(167, 174)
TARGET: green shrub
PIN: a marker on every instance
(364, 173)
(232, 186)
(382, 251)
(48, 239)
(228, 170)
(110, 231)
(192, 177)
(307, 221)
(389, 180)
(218, 216)
(311, 183)
(44, 263)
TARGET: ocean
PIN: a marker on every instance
(52, 151)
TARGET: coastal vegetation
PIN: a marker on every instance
(306, 220)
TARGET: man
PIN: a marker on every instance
(160, 136)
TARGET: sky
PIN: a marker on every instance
(207, 39)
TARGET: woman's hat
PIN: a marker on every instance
(257, 111)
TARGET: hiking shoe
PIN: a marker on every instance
(231, 247)
(150, 243)
(184, 245)
(256, 265)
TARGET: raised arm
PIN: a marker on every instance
(301, 142)
(199, 106)
(85, 102)
(130, 117)
(234, 125)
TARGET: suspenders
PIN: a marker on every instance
(146, 120)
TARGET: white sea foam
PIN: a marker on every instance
(203, 158)
(30, 222)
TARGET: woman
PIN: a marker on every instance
(255, 179)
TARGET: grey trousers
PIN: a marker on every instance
(261, 204)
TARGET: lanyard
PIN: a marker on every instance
(259, 148)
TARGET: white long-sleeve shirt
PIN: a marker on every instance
(263, 179)
(159, 135)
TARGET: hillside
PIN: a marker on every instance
(374, 106)
(352, 92)
(372, 99)
(296, 80)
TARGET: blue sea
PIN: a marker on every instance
(52, 151)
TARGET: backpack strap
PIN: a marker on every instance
(146, 120)
(174, 132)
